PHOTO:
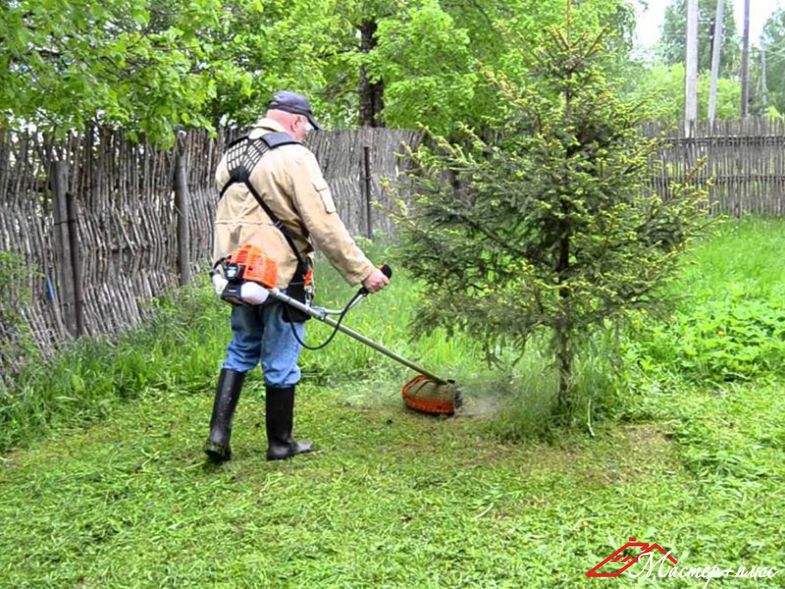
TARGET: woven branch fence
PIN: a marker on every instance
(744, 162)
(102, 224)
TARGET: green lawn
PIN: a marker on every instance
(692, 460)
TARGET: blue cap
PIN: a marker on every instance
(293, 103)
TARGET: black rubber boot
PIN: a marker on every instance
(279, 418)
(227, 393)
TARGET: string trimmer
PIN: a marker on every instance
(249, 277)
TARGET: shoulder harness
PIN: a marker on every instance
(242, 157)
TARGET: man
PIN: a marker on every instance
(275, 197)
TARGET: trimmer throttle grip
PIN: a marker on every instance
(384, 269)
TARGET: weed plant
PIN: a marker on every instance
(730, 323)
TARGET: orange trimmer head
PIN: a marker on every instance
(426, 395)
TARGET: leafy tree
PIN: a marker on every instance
(426, 63)
(664, 86)
(426, 53)
(281, 45)
(674, 34)
(550, 226)
(774, 35)
(151, 65)
(128, 62)
(372, 62)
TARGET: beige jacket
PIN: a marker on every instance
(291, 183)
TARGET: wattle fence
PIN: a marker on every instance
(743, 161)
(93, 227)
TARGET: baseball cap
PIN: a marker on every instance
(295, 104)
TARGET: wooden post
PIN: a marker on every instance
(59, 182)
(716, 53)
(745, 62)
(182, 207)
(691, 68)
(367, 191)
(76, 263)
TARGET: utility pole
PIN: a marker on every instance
(745, 63)
(763, 89)
(716, 53)
(691, 82)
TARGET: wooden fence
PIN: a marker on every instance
(355, 162)
(102, 224)
(743, 161)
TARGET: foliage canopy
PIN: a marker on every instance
(150, 66)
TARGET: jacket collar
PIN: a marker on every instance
(269, 125)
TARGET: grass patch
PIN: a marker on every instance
(730, 323)
(391, 498)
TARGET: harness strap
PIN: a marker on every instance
(241, 158)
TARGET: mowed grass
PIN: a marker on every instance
(389, 499)
(395, 499)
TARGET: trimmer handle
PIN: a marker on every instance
(386, 270)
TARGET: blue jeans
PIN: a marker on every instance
(260, 334)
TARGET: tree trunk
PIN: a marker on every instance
(562, 332)
(371, 93)
(564, 355)
(764, 91)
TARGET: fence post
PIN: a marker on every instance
(71, 294)
(182, 208)
(76, 262)
(59, 182)
(367, 190)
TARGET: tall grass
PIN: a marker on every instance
(176, 349)
(180, 348)
(730, 322)
(729, 325)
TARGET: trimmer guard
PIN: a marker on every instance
(426, 395)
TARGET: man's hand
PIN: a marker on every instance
(375, 281)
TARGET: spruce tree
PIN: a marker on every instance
(546, 222)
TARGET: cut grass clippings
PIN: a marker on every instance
(389, 499)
